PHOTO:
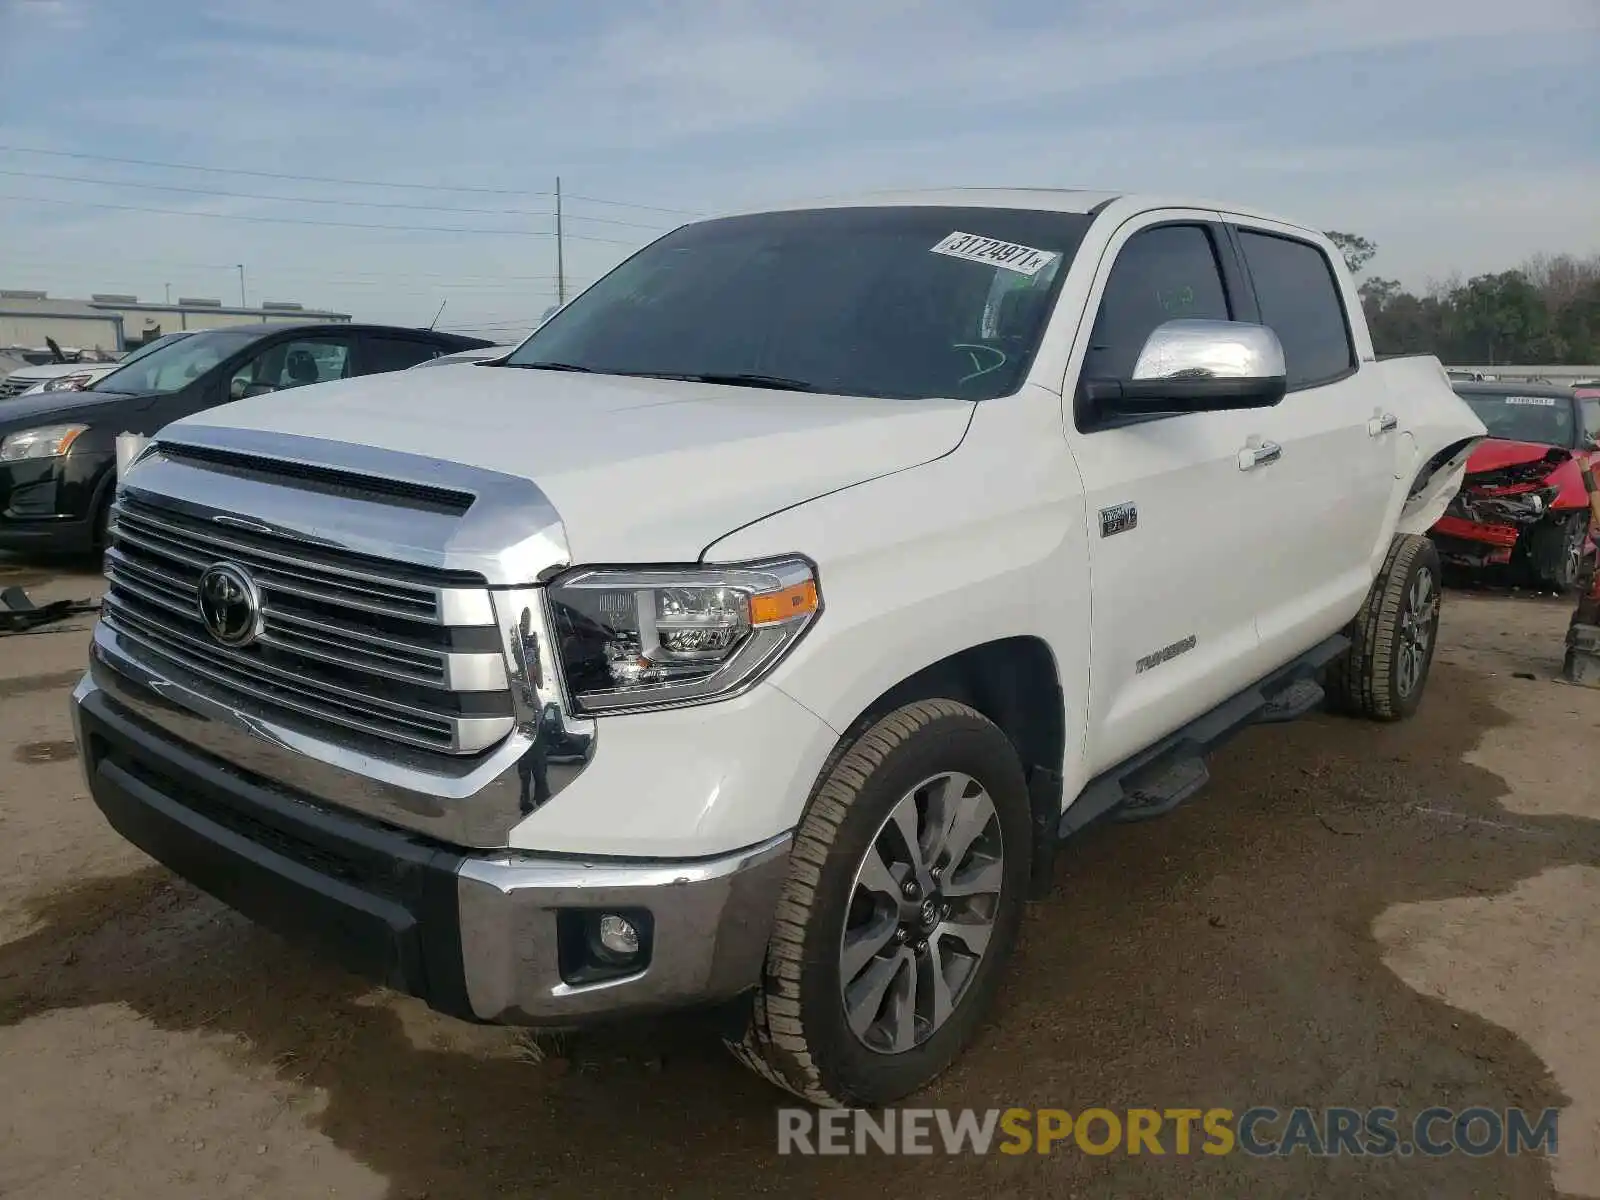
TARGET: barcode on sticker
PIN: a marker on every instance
(1024, 260)
(1535, 401)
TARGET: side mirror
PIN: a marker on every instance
(1198, 366)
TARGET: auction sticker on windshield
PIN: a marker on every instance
(1025, 260)
(1534, 401)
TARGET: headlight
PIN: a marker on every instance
(66, 383)
(49, 441)
(654, 637)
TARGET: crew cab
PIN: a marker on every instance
(755, 631)
(58, 448)
(1522, 502)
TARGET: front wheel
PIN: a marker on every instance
(1554, 552)
(905, 890)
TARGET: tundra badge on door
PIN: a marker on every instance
(1119, 518)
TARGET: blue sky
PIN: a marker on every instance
(1461, 135)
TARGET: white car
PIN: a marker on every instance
(756, 632)
(76, 376)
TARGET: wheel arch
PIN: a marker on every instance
(1014, 682)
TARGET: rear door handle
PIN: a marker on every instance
(1378, 426)
(1252, 457)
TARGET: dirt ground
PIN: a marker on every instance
(1350, 915)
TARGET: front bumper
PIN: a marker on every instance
(1474, 543)
(47, 504)
(477, 936)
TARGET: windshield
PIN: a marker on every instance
(178, 363)
(1545, 420)
(143, 351)
(909, 302)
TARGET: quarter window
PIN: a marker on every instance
(1299, 298)
(1166, 273)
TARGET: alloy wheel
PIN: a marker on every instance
(922, 909)
(1418, 622)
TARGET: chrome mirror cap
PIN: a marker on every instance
(1195, 349)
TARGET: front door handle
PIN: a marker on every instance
(1252, 457)
(1380, 425)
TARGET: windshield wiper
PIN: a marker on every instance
(550, 366)
(737, 379)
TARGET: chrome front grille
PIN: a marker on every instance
(12, 386)
(377, 648)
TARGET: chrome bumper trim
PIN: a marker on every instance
(712, 919)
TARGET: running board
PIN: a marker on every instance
(1158, 779)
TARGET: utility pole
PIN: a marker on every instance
(561, 270)
(242, 303)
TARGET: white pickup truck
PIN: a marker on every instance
(754, 632)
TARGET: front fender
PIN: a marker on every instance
(983, 544)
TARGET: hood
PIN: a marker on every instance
(56, 370)
(1493, 453)
(54, 408)
(641, 470)
(1503, 468)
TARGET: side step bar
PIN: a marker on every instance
(1155, 781)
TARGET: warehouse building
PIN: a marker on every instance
(112, 322)
(27, 318)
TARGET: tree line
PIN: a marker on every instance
(1546, 311)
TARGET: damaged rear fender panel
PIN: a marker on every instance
(1435, 486)
(1440, 430)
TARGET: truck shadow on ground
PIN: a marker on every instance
(1222, 956)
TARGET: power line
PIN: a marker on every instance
(427, 187)
(193, 191)
(53, 262)
(179, 212)
(682, 212)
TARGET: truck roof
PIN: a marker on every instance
(1069, 200)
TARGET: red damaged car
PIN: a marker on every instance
(1522, 502)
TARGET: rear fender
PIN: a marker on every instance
(1434, 486)
(1440, 430)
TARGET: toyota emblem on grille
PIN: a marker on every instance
(230, 605)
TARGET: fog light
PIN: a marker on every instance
(618, 937)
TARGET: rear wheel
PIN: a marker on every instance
(1383, 674)
(905, 890)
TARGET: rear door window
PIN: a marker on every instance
(1300, 302)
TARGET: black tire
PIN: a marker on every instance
(1382, 676)
(1553, 551)
(798, 1035)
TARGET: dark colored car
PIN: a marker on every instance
(1523, 502)
(58, 449)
